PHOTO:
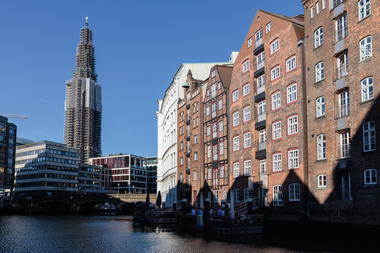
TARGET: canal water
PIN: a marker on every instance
(117, 234)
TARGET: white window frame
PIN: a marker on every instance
(246, 113)
(195, 175)
(345, 144)
(291, 91)
(209, 151)
(322, 181)
(207, 110)
(260, 60)
(341, 28)
(274, 46)
(235, 141)
(292, 124)
(236, 193)
(276, 130)
(221, 174)
(367, 88)
(263, 136)
(208, 130)
(195, 139)
(236, 169)
(246, 89)
(235, 96)
(181, 161)
(311, 12)
(215, 152)
(317, 8)
(369, 136)
(294, 192)
(213, 90)
(195, 156)
(247, 140)
(364, 9)
(221, 148)
(268, 27)
(323, 4)
(291, 63)
(220, 104)
(247, 194)
(247, 167)
(221, 126)
(249, 42)
(319, 71)
(235, 119)
(320, 106)
(365, 47)
(293, 159)
(245, 66)
(318, 37)
(209, 177)
(261, 107)
(261, 81)
(321, 147)
(276, 100)
(277, 162)
(275, 73)
(277, 195)
(213, 110)
(370, 177)
(214, 130)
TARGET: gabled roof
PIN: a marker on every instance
(296, 19)
(225, 73)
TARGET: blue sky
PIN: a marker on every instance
(139, 45)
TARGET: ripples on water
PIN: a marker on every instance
(116, 234)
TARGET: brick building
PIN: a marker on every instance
(342, 38)
(215, 134)
(268, 71)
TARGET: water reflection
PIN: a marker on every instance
(117, 234)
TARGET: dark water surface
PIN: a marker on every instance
(117, 234)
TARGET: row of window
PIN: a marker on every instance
(214, 109)
(259, 35)
(291, 96)
(214, 151)
(246, 116)
(294, 194)
(364, 8)
(292, 127)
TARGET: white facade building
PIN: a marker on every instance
(167, 128)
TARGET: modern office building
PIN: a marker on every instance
(343, 109)
(127, 173)
(83, 104)
(151, 178)
(8, 133)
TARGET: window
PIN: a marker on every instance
(369, 137)
(235, 95)
(342, 64)
(219, 85)
(261, 108)
(277, 195)
(320, 106)
(293, 161)
(367, 88)
(364, 8)
(213, 110)
(261, 82)
(235, 142)
(221, 148)
(220, 104)
(245, 66)
(208, 130)
(215, 191)
(311, 12)
(322, 180)
(259, 37)
(276, 130)
(323, 4)
(181, 161)
(370, 177)
(345, 145)
(209, 172)
(341, 28)
(195, 156)
(344, 104)
(207, 110)
(291, 93)
(275, 46)
(247, 193)
(221, 172)
(318, 37)
(321, 146)
(276, 100)
(246, 89)
(197, 121)
(247, 113)
(293, 125)
(193, 122)
(220, 126)
(181, 145)
(291, 64)
(215, 152)
(208, 151)
(277, 162)
(181, 178)
(235, 119)
(294, 192)
(365, 48)
(236, 170)
(260, 61)
(319, 71)
(268, 27)
(236, 194)
(275, 73)
(213, 90)
(195, 139)
(345, 186)
(262, 136)
(247, 167)
(213, 73)
(194, 107)
(317, 8)
(336, 3)
(214, 130)
(247, 140)
(250, 42)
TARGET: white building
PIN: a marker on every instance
(167, 127)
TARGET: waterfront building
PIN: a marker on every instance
(151, 179)
(342, 103)
(167, 128)
(127, 173)
(83, 104)
(215, 143)
(266, 107)
(189, 148)
(8, 132)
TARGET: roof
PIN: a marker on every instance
(225, 73)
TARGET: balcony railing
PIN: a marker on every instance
(341, 34)
(344, 150)
(261, 117)
(342, 71)
(259, 42)
(343, 110)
